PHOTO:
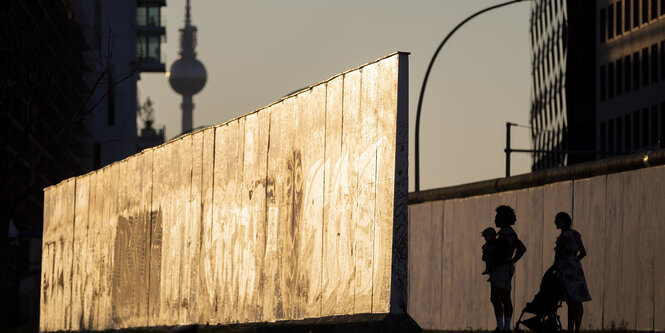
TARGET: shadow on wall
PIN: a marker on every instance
(137, 259)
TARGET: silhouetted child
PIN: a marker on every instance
(488, 249)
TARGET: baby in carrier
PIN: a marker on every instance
(488, 250)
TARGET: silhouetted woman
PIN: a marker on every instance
(567, 254)
(508, 250)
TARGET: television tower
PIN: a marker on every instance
(187, 75)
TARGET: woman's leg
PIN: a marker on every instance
(571, 316)
(495, 298)
(578, 316)
(507, 309)
(575, 312)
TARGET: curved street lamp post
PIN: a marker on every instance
(429, 69)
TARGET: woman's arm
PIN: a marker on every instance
(582, 251)
(520, 249)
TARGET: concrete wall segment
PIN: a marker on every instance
(618, 216)
(228, 224)
(589, 220)
(654, 211)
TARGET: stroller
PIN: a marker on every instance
(544, 306)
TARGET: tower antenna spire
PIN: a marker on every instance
(187, 15)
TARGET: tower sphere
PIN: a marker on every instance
(187, 76)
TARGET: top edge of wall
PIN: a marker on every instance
(296, 93)
(544, 177)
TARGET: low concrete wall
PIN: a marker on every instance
(297, 210)
(619, 216)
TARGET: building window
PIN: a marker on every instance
(148, 15)
(603, 29)
(619, 13)
(636, 13)
(610, 22)
(645, 66)
(610, 80)
(645, 11)
(627, 69)
(603, 84)
(636, 129)
(654, 124)
(654, 11)
(626, 16)
(654, 63)
(636, 70)
(627, 130)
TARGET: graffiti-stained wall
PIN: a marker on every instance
(620, 218)
(297, 210)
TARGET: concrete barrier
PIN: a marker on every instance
(295, 211)
(619, 216)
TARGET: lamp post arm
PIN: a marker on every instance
(429, 69)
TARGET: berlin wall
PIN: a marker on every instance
(620, 217)
(297, 210)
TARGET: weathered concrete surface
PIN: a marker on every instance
(618, 215)
(295, 211)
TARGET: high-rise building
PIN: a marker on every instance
(598, 73)
(125, 38)
(630, 77)
(42, 137)
(562, 90)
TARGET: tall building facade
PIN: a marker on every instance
(563, 55)
(125, 39)
(630, 78)
(42, 137)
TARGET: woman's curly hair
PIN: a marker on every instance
(505, 216)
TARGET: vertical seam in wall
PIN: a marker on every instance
(542, 232)
(621, 234)
(572, 205)
(239, 189)
(373, 239)
(341, 140)
(212, 198)
(87, 229)
(71, 277)
(443, 258)
(355, 253)
(150, 221)
(265, 207)
(637, 261)
(323, 217)
(376, 181)
(602, 305)
(201, 225)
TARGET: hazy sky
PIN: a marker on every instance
(255, 52)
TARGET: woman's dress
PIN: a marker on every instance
(570, 273)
